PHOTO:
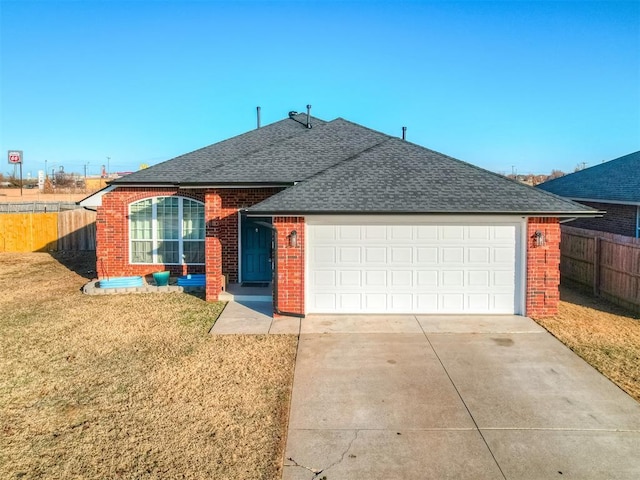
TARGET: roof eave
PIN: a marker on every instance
(559, 214)
(235, 185)
(600, 200)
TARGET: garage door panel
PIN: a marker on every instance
(426, 232)
(478, 278)
(350, 279)
(452, 278)
(375, 302)
(452, 255)
(412, 269)
(479, 233)
(478, 255)
(400, 232)
(324, 278)
(478, 302)
(401, 302)
(427, 255)
(426, 279)
(401, 255)
(375, 255)
(323, 256)
(348, 232)
(452, 232)
(401, 278)
(503, 255)
(349, 255)
(375, 232)
(375, 278)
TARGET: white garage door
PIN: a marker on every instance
(411, 268)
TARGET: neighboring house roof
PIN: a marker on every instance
(615, 181)
(343, 167)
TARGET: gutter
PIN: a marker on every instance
(274, 234)
(288, 213)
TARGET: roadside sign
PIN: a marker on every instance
(15, 157)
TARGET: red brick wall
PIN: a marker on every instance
(291, 263)
(221, 242)
(232, 201)
(620, 219)
(112, 232)
(543, 268)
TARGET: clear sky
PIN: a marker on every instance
(530, 86)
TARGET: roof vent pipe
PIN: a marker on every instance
(258, 116)
(404, 133)
(308, 116)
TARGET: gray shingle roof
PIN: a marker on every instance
(400, 177)
(200, 165)
(343, 167)
(617, 180)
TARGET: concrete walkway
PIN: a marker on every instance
(253, 318)
(429, 397)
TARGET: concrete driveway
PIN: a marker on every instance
(459, 397)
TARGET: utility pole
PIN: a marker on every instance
(108, 167)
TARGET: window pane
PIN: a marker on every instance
(141, 252)
(193, 252)
(168, 252)
(193, 220)
(141, 220)
(167, 217)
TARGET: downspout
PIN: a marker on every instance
(274, 233)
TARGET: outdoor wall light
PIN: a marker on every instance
(538, 237)
(293, 238)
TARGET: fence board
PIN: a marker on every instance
(28, 232)
(610, 264)
(77, 230)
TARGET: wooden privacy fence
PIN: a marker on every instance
(607, 263)
(42, 232)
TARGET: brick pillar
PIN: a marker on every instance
(290, 275)
(212, 246)
(543, 268)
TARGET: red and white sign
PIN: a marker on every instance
(15, 156)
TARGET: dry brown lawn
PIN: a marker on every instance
(606, 336)
(131, 386)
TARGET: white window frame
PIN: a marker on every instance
(154, 230)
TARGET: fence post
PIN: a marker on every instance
(596, 265)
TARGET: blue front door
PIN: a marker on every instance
(256, 250)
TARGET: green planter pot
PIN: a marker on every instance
(161, 278)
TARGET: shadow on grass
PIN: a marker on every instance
(577, 294)
(81, 262)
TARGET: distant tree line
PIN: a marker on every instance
(533, 179)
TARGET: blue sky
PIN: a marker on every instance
(532, 86)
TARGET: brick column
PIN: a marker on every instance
(290, 276)
(543, 268)
(212, 246)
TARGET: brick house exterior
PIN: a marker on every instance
(612, 187)
(283, 176)
(619, 219)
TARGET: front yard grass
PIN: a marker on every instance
(131, 386)
(606, 336)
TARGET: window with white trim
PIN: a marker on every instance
(168, 230)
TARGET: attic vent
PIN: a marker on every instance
(293, 114)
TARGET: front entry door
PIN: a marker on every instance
(256, 250)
